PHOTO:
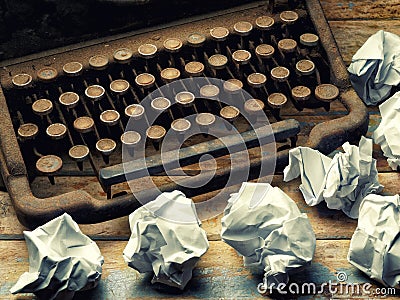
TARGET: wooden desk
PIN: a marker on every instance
(220, 272)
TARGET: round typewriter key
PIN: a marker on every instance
(47, 74)
(277, 100)
(185, 98)
(241, 57)
(95, 92)
(205, 119)
(119, 86)
(209, 91)
(28, 131)
(134, 111)
(49, 164)
(219, 33)
(78, 152)
(84, 124)
(196, 39)
(265, 51)
(256, 80)
(287, 45)
(109, 117)
(130, 138)
(229, 113)
(217, 61)
(123, 55)
(309, 39)
(180, 125)
(155, 134)
(69, 99)
(243, 28)
(145, 80)
(170, 74)
(42, 107)
(280, 73)
(147, 50)
(56, 131)
(326, 92)
(106, 147)
(194, 68)
(233, 86)
(98, 62)
(289, 16)
(172, 45)
(305, 67)
(73, 68)
(253, 106)
(22, 80)
(264, 22)
(301, 93)
(160, 103)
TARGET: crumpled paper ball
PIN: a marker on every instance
(375, 245)
(266, 227)
(375, 67)
(62, 261)
(162, 245)
(387, 135)
(342, 182)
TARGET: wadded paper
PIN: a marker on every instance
(375, 245)
(62, 261)
(160, 244)
(342, 182)
(266, 227)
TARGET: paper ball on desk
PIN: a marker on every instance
(375, 245)
(266, 227)
(161, 244)
(62, 261)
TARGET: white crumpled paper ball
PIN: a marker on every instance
(62, 261)
(266, 227)
(161, 244)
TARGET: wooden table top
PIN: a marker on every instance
(220, 272)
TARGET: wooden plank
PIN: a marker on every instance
(327, 224)
(361, 9)
(219, 273)
(360, 31)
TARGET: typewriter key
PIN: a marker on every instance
(196, 39)
(22, 80)
(254, 108)
(280, 74)
(170, 74)
(305, 67)
(241, 57)
(301, 93)
(309, 39)
(172, 45)
(130, 139)
(194, 68)
(119, 86)
(155, 133)
(98, 62)
(69, 99)
(243, 28)
(217, 62)
(277, 100)
(160, 103)
(79, 153)
(48, 165)
(109, 117)
(287, 45)
(219, 34)
(147, 51)
(229, 113)
(326, 92)
(185, 99)
(180, 127)
(56, 131)
(134, 111)
(28, 131)
(123, 55)
(288, 17)
(84, 124)
(205, 122)
(73, 69)
(265, 22)
(145, 80)
(106, 147)
(47, 74)
(256, 80)
(265, 51)
(210, 92)
(95, 92)
(42, 107)
(233, 86)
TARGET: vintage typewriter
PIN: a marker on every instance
(65, 113)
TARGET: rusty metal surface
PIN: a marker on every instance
(33, 211)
